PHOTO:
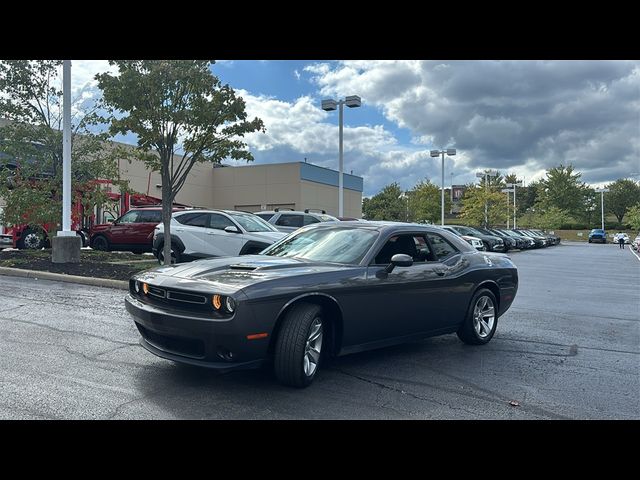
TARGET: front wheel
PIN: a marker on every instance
(299, 345)
(482, 319)
(175, 256)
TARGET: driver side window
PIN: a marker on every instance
(414, 245)
(130, 217)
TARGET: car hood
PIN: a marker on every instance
(227, 275)
(270, 237)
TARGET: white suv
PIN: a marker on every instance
(214, 233)
(291, 220)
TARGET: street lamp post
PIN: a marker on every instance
(351, 101)
(404, 196)
(508, 191)
(451, 209)
(434, 153)
(602, 192)
(486, 175)
(514, 185)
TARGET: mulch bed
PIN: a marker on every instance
(92, 263)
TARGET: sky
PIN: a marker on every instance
(519, 117)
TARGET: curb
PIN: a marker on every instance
(61, 277)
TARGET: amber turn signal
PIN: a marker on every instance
(217, 302)
(145, 288)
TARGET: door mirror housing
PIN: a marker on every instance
(399, 260)
(231, 229)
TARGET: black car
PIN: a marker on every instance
(540, 240)
(491, 242)
(326, 289)
(523, 242)
(509, 243)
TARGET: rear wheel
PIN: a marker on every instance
(100, 242)
(299, 346)
(482, 319)
(32, 239)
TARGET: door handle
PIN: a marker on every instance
(179, 229)
(211, 233)
(439, 272)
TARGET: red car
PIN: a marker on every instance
(132, 231)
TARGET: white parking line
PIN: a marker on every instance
(631, 249)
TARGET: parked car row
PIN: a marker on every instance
(502, 239)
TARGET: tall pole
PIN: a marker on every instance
(451, 208)
(515, 187)
(442, 193)
(508, 208)
(66, 148)
(340, 185)
(486, 191)
(602, 208)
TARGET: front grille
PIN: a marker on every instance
(175, 299)
(186, 347)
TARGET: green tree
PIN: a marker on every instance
(553, 217)
(425, 202)
(526, 197)
(622, 194)
(633, 216)
(31, 137)
(562, 189)
(182, 114)
(473, 206)
(388, 204)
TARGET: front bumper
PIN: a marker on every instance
(598, 239)
(196, 340)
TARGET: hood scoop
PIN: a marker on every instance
(243, 266)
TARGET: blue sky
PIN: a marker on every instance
(519, 117)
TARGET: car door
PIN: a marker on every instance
(218, 242)
(121, 229)
(409, 299)
(191, 231)
(144, 225)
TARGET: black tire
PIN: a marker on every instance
(291, 345)
(100, 242)
(589, 240)
(467, 331)
(32, 239)
(175, 254)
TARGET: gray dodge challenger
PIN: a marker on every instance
(327, 289)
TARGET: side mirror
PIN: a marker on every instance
(399, 260)
(231, 229)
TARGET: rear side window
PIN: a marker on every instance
(149, 216)
(289, 220)
(441, 247)
(309, 219)
(265, 216)
(194, 219)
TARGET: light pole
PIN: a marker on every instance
(404, 196)
(451, 209)
(514, 185)
(602, 192)
(434, 153)
(508, 191)
(486, 175)
(329, 105)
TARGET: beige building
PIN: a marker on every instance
(296, 185)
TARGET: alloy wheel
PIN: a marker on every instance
(313, 348)
(484, 316)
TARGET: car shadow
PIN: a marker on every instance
(188, 392)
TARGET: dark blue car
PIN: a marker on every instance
(597, 235)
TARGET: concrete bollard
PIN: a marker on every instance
(65, 249)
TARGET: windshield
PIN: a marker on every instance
(253, 223)
(346, 245)
(469, 231)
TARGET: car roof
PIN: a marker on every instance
(212, 210)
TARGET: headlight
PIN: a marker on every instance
(216, 300)
(145, 288)
(229, 304)
(137, 286)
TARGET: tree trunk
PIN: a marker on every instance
(167, 207)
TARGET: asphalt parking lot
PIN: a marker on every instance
(569, 348)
